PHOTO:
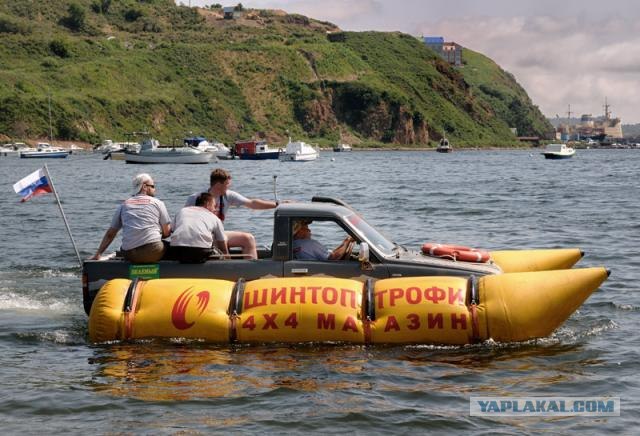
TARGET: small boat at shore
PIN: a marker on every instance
(255, 150)
(45, 150)
(558, 151)
(117, 149)
(342, 148)
(151, 153)
(220, 150)
(299, 151)
(444, 146)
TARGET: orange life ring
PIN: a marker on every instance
(456, 252)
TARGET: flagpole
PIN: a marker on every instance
(64, 218)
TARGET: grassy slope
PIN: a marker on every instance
(171, 72)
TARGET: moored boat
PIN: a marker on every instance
(220, 150)
(45, 150)
(255, 150)
(151, 153)
(342, 148)
(298, 151)
(444, 146)
(558, 151)
(8, 150)
(118, 149)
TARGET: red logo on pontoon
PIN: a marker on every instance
(179, 312)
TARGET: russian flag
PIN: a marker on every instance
(33, 185)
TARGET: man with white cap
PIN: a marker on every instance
(144, 221)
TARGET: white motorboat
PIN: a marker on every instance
(342, 148)
(220, 150)
(558, 151)
(299, 152)
(8, 150)
(45, 150)
(151, 153)
(444, 146)
(15, 149)
(118, 149)
(106, 146)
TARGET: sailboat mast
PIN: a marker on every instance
(50, 128)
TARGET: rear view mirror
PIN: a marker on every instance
(363, 256)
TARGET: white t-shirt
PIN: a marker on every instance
(231, 198)
(141, 218)
(196, 226)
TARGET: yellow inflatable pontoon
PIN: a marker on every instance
(412, 310)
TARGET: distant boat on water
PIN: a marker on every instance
(220, 150)
(45, 150)
(255, 150)
(299, 151)
(342, 148)
(444, 146)
(151, 153)
(558, 151)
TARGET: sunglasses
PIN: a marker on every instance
(150, 186)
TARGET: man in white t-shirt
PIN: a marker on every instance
(306, 248)
(196, 228)
(144, 221)
(219, 182)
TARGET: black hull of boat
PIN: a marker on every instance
(556, 156)
(260, 156)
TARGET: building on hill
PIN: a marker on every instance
(449, 51)
(452, 53)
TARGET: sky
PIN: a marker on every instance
(562, 52)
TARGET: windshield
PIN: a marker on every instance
(371, 235)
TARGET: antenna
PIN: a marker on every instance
(606, 107)
(50, 128)
(569, 112)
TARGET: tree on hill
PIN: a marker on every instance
(76, 19)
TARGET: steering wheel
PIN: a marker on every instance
(349, 249)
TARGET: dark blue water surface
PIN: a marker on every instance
(53, 380)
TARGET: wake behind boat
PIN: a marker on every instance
(151, 153)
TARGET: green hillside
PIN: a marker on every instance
(112, 67)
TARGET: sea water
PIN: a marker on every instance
(53, 380)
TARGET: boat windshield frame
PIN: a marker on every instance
(369, 234)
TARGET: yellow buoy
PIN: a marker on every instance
(536, 260)
(521, 306)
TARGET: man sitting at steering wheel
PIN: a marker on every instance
(306, 248)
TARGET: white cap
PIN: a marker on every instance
(140, 180)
